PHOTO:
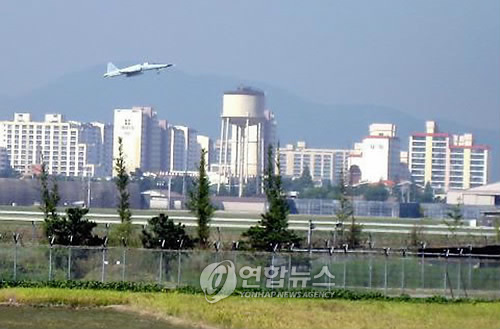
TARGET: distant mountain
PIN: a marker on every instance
(196, 101)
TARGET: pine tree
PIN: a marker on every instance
(49, 200)
(455, 216)
(123, 231)
(273, 227)
(73, 229)
(345, 212)
(199, 202)
(160, 228)
(122, 180)
(428, 196)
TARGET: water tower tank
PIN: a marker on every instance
(243, 104)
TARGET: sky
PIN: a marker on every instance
(433, 59)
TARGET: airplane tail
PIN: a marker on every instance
(111, 67)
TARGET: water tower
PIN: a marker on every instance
(244, 137)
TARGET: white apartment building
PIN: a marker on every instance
(56, 142)
(323, 164)
(378, 156)
(447, 161)
(145, 139)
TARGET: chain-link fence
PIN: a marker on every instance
(330, 207)
(385, 209)
(390, 273)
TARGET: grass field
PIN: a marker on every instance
(26, 317)
(238, 312)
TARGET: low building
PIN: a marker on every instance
(324, 164)
(486, 195)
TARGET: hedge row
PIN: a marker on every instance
(345, 294)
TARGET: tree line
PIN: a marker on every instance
(272, 231)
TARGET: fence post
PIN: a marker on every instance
(69, 262)
(345, 270)
(386, 253)
(15, 257)
(403, 272)
(69, 256)
(124, 260)
(422, 270)
(51, 243)
(103, 263)
(445, 275)
(161, 267)
(33, 232)
(178, 268)
(50, 262)
(289, 268)
(470, 268)
(370, 270)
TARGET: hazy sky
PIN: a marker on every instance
(430, 58)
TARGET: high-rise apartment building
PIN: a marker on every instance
(145, 139)
(99, 140)
(377, 157)
(54, 141)
(323, 164)
(447, 161)
(184, 150)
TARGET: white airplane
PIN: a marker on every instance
(137, 69)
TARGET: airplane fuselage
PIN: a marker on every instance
(135, 69)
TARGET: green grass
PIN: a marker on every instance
(64, 317)
(238, 312)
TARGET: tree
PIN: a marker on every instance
(345, 211)
(376, 193)
(428, 196)
(49, 200)
(305, 180)
(124, 230)
(455, 217)
(273, 227)
(199, 202)
(73, 229)
(396, 192)
(416, 235)
(49, 196)
(160, 228)
(122, 180)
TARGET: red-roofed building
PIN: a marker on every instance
(378, 155)
(447, 161)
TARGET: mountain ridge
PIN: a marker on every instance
(196, 101)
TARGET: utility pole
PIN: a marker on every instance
(312, 226)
